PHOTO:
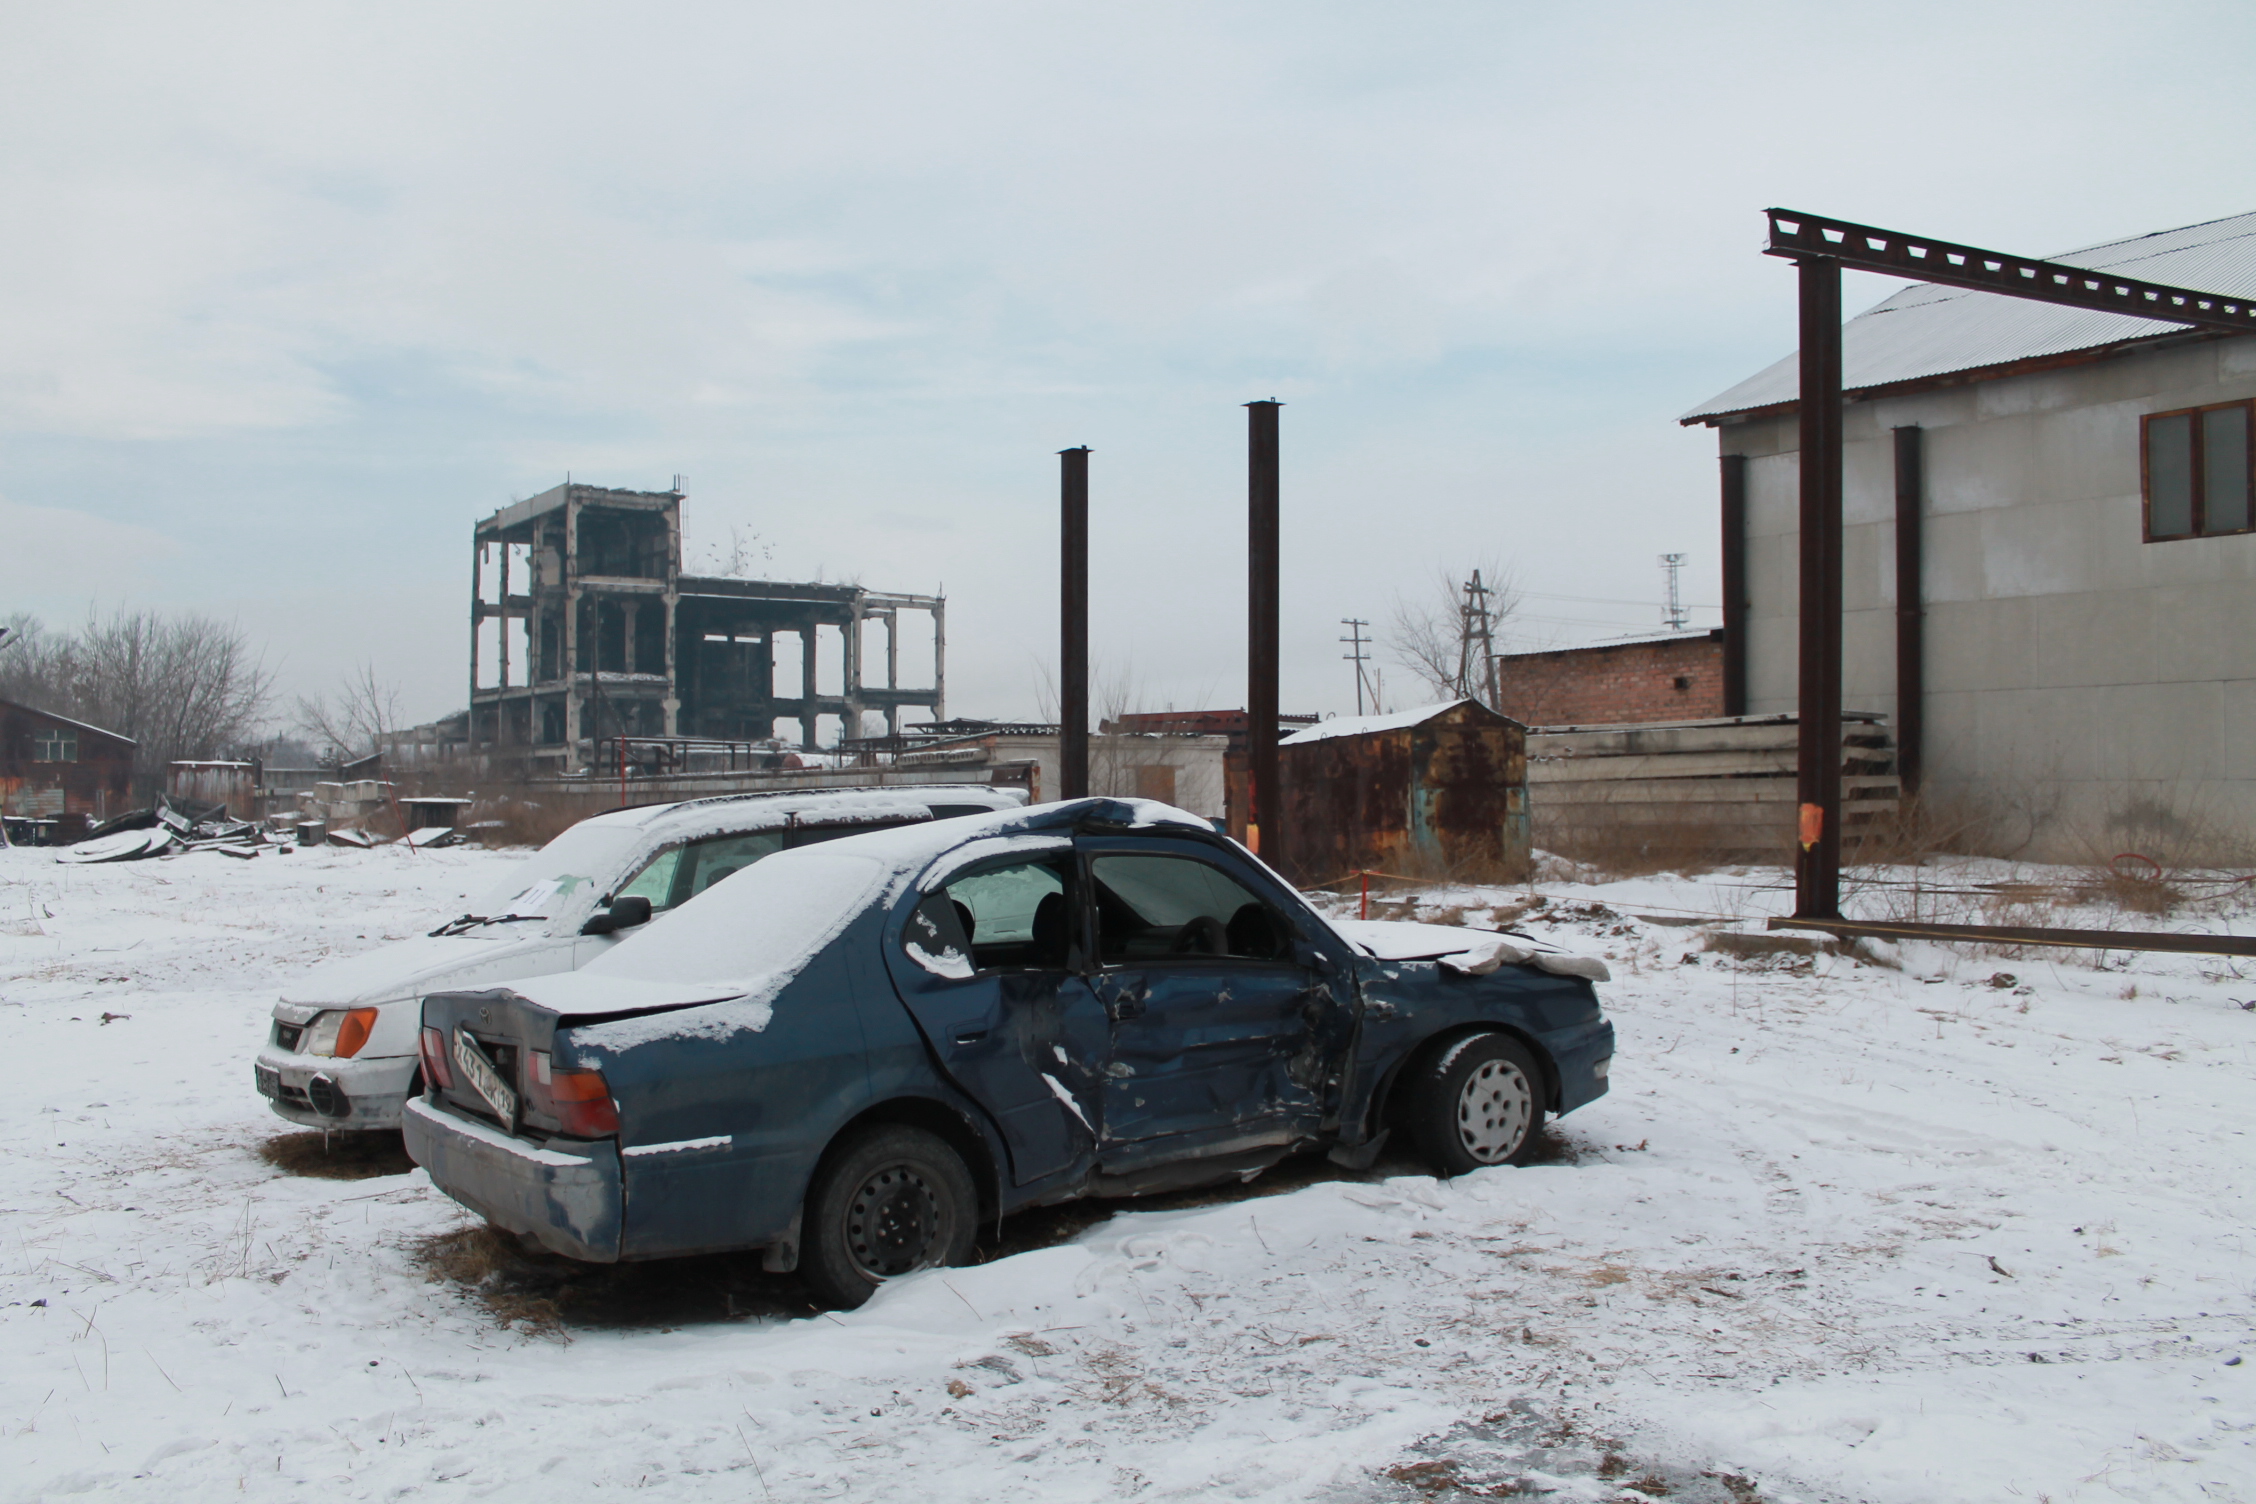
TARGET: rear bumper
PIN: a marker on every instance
(318, 1092)
(564, 1195)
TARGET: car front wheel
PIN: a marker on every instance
(888, 1201)
(1479, 1102)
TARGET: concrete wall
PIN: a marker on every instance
(2087, 691)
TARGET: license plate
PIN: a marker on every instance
(269, 1081)
(481, 1074)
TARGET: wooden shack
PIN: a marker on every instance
(1436, 791)
(60, 772)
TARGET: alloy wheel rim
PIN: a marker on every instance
(892, 1222)
(1493, 1111)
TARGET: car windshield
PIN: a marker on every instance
(562, 878)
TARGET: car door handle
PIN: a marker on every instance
(971, 1036)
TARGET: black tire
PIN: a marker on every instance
(888, 1200)
(1478, 1102)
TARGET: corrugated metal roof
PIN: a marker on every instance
(1926, 330)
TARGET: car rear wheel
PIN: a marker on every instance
(1479, 1102)
(888, 1201)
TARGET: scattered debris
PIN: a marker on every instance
(170, 825)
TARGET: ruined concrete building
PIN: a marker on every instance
(583, 627)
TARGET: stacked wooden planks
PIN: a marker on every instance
(1726, 784)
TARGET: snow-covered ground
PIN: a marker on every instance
(1972, 1229)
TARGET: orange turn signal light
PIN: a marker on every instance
(354, 1032)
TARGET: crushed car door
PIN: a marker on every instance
(1218, 1028)
(985, 963)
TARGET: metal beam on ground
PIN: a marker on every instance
(2002, 934)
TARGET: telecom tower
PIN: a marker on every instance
(1673, 614)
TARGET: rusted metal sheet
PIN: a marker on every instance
(1443, 795)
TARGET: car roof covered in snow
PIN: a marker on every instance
(748, 937)
(754, 811)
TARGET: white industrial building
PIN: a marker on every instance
(2069, 494)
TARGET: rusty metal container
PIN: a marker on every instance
(1440, 791)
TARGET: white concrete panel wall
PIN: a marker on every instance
(2094, 692)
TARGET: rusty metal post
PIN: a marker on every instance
(1911, 611)
(1735, 584)
(1265, 829)
(1073, 624)
(1817, 868)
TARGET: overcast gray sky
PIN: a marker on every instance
(293, 293)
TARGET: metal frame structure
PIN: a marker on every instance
(1821, 248)
(618, 641)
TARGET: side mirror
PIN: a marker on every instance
(624, 913)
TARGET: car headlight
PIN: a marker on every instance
(339, 1033)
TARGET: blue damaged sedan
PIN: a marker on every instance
(852, 1055)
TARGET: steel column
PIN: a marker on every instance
(1265, 827)
(1073, 623)
(1735, 584)
(1817, 868)
(1911, 611)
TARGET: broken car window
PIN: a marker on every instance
(1150, 907)
(1006, 918)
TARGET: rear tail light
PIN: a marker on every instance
(580, 1101)
(436, 1069)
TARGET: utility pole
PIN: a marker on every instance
(1357, 642)
(1476, 624)
(1073, 624)
(1266, 825)
(1673, 613)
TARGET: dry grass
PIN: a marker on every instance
(492, 1267)
(1621, 849)
(337, 1156)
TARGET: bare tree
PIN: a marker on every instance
(1446, 634)
(183, 687)
(356, 720)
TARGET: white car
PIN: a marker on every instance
(341, 1054)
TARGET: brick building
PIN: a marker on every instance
(60, 773)
(1677, 677)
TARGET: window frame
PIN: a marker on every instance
(63, 740)
(2198, 467)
